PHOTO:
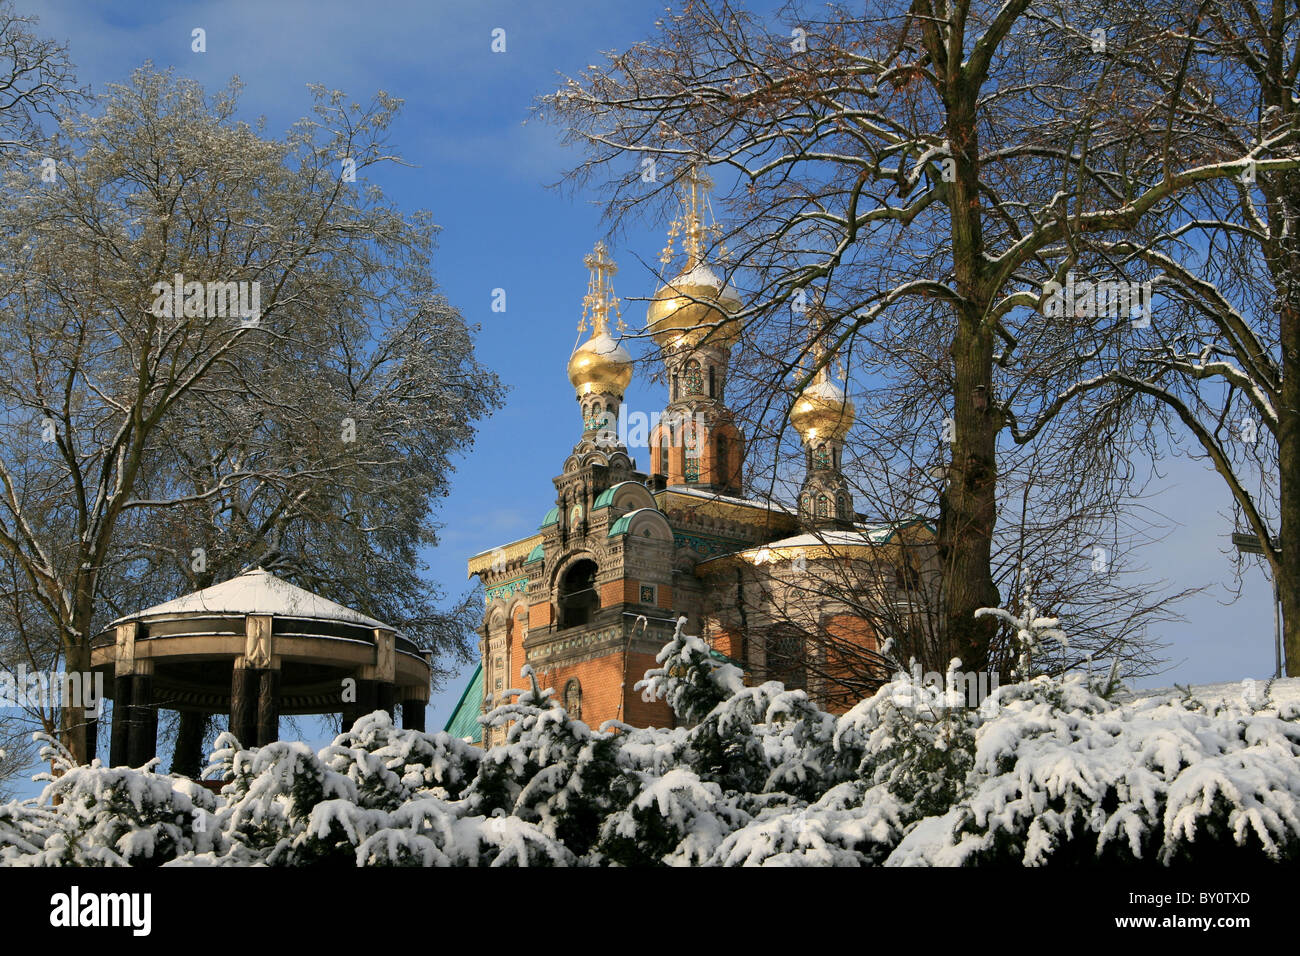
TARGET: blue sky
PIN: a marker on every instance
(483, 173)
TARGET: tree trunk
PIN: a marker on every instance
(1288, 454)
(967, 542)
(972, 503)
(72, 720)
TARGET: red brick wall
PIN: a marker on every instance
(622, 591)
(518, 628)
(603, 687)
(539, 615)
(726, 641)
(639, 713)
(665, 597)
(851, 630)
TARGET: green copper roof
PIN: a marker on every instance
(606, 497)
(552, 517)
(534, 555)
(464, 719)
(621, 525)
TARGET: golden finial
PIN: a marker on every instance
(695, 223)
(600, 299)
(820, 362)
(822, 410)
(817, 327)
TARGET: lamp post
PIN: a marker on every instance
(1250, 544)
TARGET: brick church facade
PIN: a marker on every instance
(590, 597)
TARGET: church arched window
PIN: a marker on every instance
(577, 598)
(712, 383)
(691, 457)
(822, 457)
(823, 506)
(787, 659)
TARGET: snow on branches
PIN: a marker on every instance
(1046, 770)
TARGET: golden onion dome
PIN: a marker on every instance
(822, 411)
(600, 366)
(692, 308)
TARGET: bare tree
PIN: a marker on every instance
(214, 344)
(36, 79)
(926, 169)
(1223, 363)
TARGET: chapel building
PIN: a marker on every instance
(590, 596)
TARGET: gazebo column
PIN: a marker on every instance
(386, 698)
(189, 743)
(135, 714)
(268, 705)
(414, 702)
(255, 686)
(92, 739)
(243, 702)
(121, 720)
(376, 688)
(142, 737)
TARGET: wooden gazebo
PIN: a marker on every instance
(253, 647)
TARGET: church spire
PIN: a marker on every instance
(696, 442)
(600, 369)
(822, 415)
(694, 224)
(600, 300)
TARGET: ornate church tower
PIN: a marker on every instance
(823, 415)
(696, 443)
(600, 370)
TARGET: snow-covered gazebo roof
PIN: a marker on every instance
(255, 592)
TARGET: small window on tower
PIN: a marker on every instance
(694, 378)
(648, 595)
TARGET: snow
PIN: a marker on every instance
(827, 391)
(605, 345)
(1047, 770)
(702, 275)
(255, 592)
(872, 534)
(763, 503)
